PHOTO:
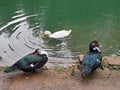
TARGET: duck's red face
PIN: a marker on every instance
(39, 52)
(36, 51)
(94, 46)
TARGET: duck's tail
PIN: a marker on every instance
(11, 69)
(70, 30)
(86, 70)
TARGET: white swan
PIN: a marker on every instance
(57, 35)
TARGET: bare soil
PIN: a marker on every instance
(60, 79)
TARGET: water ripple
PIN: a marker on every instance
(16, 21)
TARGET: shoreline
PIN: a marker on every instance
(111, 60)
(64, 78)
(60, 78)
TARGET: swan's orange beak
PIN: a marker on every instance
(43, 35)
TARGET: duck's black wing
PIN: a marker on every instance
(91, 61)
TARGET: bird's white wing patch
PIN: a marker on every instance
(32, 65)
(98, 61)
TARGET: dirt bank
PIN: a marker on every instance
(60, 79)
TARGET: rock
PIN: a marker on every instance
(26, 78)
(113, 60)
(80, 58)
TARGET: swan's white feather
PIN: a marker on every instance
(58, 34)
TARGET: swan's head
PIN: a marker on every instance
(46, 33)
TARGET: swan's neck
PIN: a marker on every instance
(50, 35)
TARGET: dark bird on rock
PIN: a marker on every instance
(30, 62)
(92, 59)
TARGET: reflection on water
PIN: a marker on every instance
(18, 44)
(22, 21)
(24, 40)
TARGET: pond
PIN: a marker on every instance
(21, 22)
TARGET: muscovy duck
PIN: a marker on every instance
(92, 59)
(30, 62)
(57, 35)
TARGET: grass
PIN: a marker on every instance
(3, 67)
(59, 69)
(104, 76)
(114, 67)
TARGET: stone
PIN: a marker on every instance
(112, 60)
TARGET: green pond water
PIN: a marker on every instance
(21, 22)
